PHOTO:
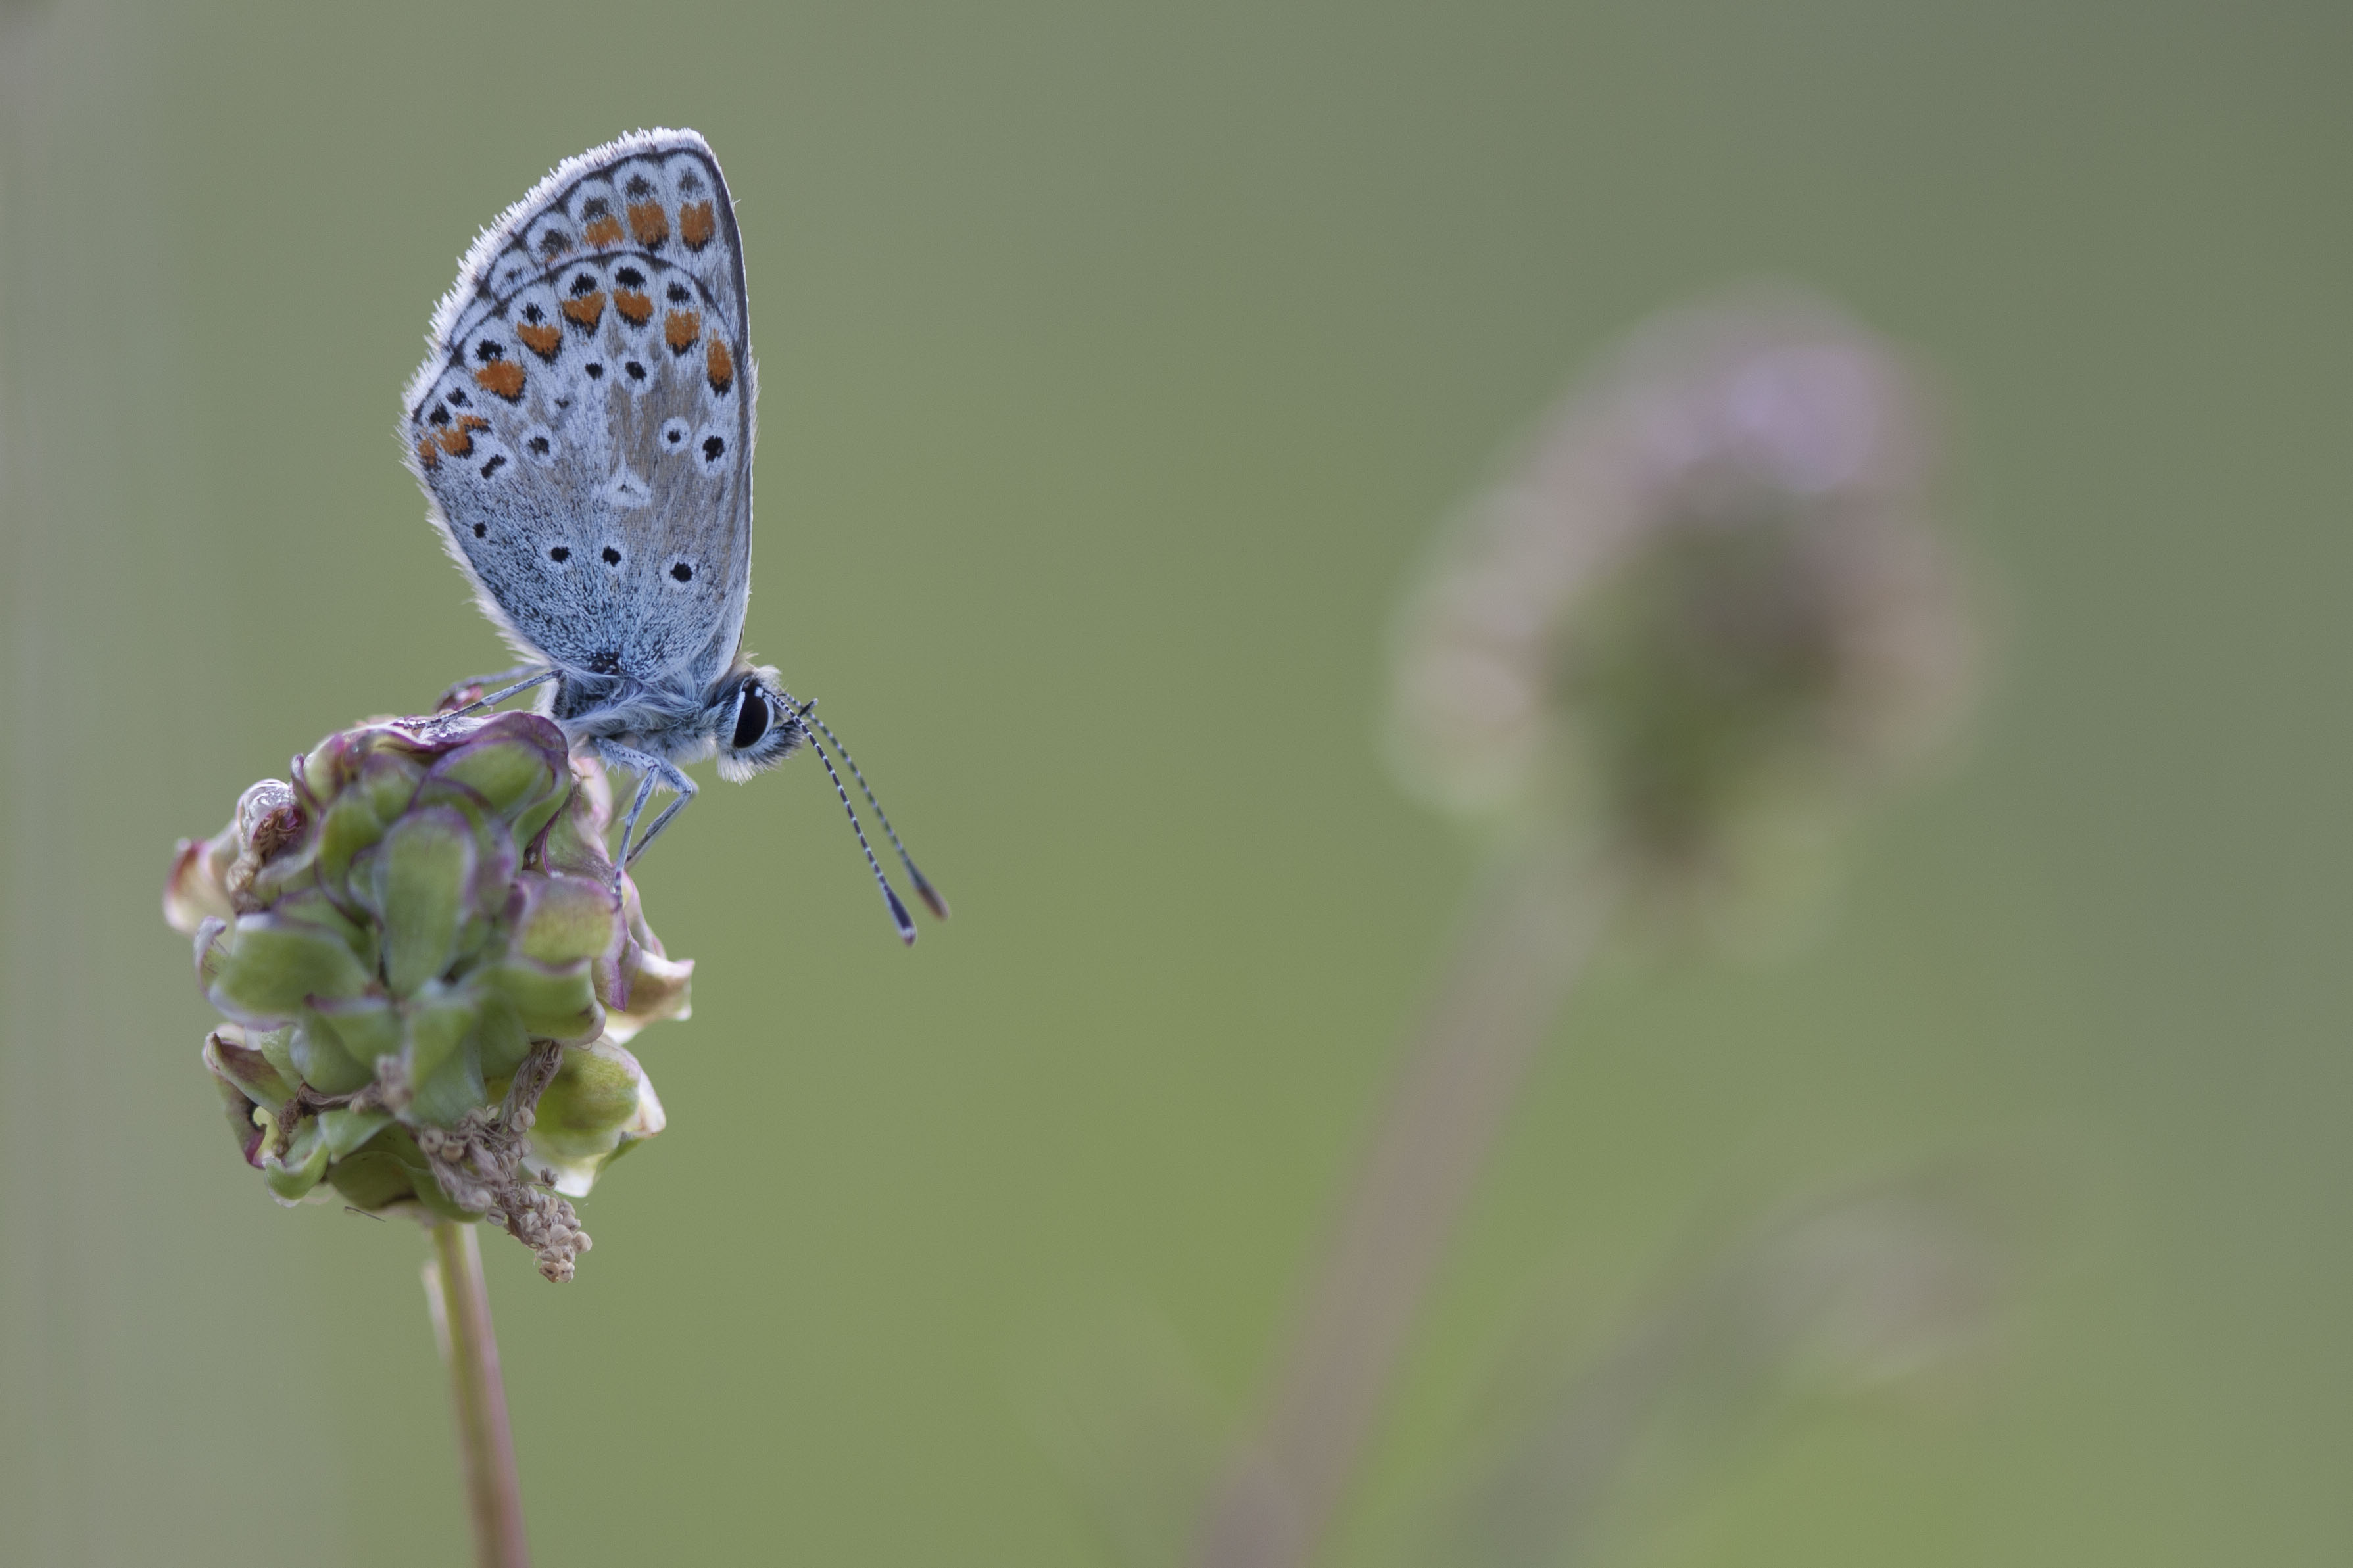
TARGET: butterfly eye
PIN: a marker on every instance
(750, 719)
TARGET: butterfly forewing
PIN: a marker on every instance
(584, 422)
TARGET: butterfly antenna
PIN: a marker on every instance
(898, 915)
(924, 890)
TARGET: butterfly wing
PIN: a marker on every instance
(583, 424)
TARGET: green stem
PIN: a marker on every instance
(1530, 930)
(461, 1303)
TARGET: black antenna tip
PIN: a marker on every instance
(905, 922)
(929, 894)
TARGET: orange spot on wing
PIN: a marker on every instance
(586, 311)
(680, 329)
(648, 222)
(428, 451)
(501, 376)
(696, 224)
(605, 230)
(720, 366)
(542, 339)
(635, 307)
(457, 441)
(473, 422)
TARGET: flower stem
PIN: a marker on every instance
(461, 1301)
(1530, 930)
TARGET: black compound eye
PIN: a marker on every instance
(750, 719)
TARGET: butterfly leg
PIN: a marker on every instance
(686, 791)
(650, 770)
(533, 674)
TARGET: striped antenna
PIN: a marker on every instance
(898, 915)
(924, 890)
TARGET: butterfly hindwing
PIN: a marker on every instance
(584, 422)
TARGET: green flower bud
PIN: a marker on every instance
(244, 1069)
(600, 1104)
(292, 1170)
(553, 1001)
(421, 887)
(264, 971)
(428, 974)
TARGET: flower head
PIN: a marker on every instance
(1709, 578)
(427, 975)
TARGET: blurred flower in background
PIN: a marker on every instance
(1705, 592)
(429, 978)
(1649, 661)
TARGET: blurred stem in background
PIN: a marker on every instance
(1887, 1286)
(459, 1299)
(1648, 664)
(1532, 925)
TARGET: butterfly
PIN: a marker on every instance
(582, 427)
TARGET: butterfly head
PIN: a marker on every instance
(754, 722)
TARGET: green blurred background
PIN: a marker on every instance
(1118, 361)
